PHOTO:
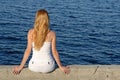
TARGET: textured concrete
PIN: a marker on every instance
(78, 72)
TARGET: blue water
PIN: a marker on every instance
(88, 31)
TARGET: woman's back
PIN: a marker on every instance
(44, 53)
(42, 57)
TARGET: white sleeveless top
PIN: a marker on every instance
(43, 53)
(42, 60)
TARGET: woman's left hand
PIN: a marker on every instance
(65, 69)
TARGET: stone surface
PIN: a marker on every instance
(78, 72)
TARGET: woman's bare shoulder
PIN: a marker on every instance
(53, 33)
(30, 32)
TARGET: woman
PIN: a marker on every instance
(42, 41)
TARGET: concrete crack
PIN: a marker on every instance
(94, 73)
(95, 70)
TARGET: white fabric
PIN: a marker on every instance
(42, 60)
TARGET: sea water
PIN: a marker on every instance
(88, 31)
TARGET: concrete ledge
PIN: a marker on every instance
(78, 72)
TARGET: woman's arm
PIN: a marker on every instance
(27, 52)
(56, 55)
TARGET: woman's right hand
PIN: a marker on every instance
(17, 70)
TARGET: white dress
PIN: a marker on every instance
(42, 60)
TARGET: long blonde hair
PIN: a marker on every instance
(41, 28)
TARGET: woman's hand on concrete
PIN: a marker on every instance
(65, 69)
(17, 70)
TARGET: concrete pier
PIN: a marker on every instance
(78, 72)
